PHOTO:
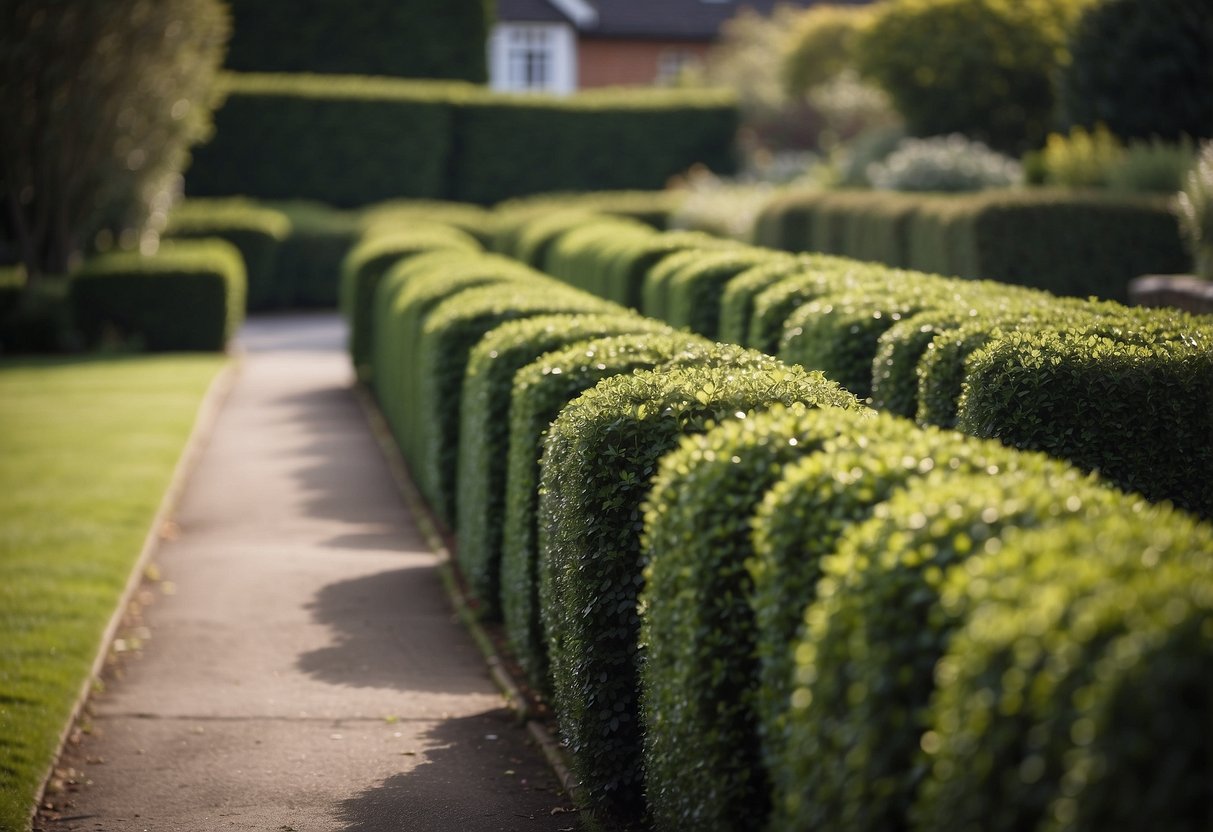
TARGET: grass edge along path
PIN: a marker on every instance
(91, 459)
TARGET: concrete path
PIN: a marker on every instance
(304, 672)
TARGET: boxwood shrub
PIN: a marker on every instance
(581, 255)
(693, 294)
(346, 140)
(737, 299)
(307, 266)
(365, 266)
(540, 392)
(407, 293)
(485, 431)
(187, 296)
(1076, 707)
(654, 290)
(1138, 408)
(512, 216)
(699, 675)
(598, 457)
(625, 274)
(865, 666)
(599, 140)
(773, 305)
(449, 333)
(256, 230)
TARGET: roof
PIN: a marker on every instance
(675, 19)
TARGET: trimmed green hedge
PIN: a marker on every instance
(1066, 242)
(699, 672)
(1138, 408)
(773, 305)
(307, 266)
(484, 434)
(540, 391)
(365, 266)
(1080, 707)
(406, 296)
(350, 140)
(596, 140)
(256, 230)
(737, 299)
(855, 723)
(187, 296)
(346, 140)
(582, 256)
(450, 333)
(597, 459)
(694, 293)
(418, 39)
(514, 215)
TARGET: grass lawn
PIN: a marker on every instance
(87, 449)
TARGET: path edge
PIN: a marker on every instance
(204, 422)
(429, 527)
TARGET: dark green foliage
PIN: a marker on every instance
(699, 675)
(799, 522)
(344, 140)
(1138, 407)
(307, 268)
(450, 331)
(899, 350)
(694, 293)
(839, 333)
(101, 101)
(1070, 243)
(654, 290)
(484, 435)
(188, 296)
(33, 318)
(541, 390)
(737, 299)
(598, 457)
(608, 140)
(624, 276)
(256, 230)
(785, 220)
(538, 235)
(983, 68)
(365, 266)
(865, 666)
(512, 217)
(583, 256)
(406, 296)
(773, 305)
(1143, 68)
(415, 39)
(1082, 707)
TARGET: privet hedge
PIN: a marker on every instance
(855, 724)
(426, 39)
(256, 230)
(187, 296)
(350, 140)
(365, 266)
(540, 392)
(1066, 242)
(597, 459)
(485, 430)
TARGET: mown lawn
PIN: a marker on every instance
(87, 449)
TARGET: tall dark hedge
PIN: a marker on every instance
(1142, 67)
(405, 38)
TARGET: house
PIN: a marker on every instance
(564, 45)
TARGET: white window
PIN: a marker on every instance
(533, 57)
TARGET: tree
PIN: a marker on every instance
(1144, 68)
(984, 68)
(101, 100)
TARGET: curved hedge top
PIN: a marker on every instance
(484, 433)
(864, 668)
(597, 459)
(1073, 694)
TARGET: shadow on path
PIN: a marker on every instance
(392, 630)
(469, 782)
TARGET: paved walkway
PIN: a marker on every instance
(307, 673)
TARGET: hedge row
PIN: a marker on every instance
(734, 631)
(1067, 243)
(1111, 388)
(187, 296)
(419, 39)
(351, 140)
